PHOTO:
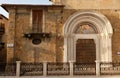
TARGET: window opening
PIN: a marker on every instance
(37, 21)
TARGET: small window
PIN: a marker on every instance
(37, 21)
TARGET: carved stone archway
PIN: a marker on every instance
(102, 38)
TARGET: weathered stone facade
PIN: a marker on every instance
(3, 37)
(55, 16)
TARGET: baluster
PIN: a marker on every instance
(18, 68)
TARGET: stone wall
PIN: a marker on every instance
(91, 4)
(55, 18)
(23, 48)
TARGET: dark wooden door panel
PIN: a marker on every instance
(85, 51)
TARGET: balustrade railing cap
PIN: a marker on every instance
(18, 61)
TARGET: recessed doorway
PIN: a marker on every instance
(93, 28)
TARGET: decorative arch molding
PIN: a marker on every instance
(102, 38)
(99, 20)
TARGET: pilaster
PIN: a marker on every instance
(11, 35)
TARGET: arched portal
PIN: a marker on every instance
(88, 25)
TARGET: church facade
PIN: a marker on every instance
(69, 30)
(68, 38)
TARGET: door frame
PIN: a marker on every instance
(88, 36)
(70, 44)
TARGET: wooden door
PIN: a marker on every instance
(85, 51)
